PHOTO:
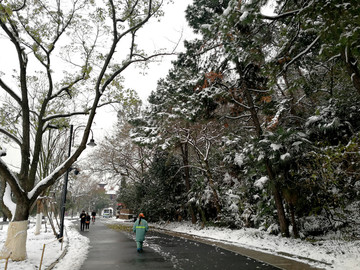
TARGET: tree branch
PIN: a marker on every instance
(301, 53)
(130, 14)
(20, 7)
(10, 92)
(126, 64)
(11, 179)
(286, 14)
(281, 16)
(11, 136)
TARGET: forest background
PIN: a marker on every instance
(256, 124)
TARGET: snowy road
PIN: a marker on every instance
(112, 249)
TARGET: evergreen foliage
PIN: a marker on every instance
(160, 194)
(261, 114)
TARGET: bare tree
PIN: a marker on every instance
(96, 42)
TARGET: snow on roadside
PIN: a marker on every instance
(78, 247)
(337, 253)
(34, 247)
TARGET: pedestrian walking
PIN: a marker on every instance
(140, 228)
(82, 220)
(87, 221)
(93, 214)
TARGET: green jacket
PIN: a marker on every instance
(140, 229)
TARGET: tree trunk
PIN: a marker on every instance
(352, 68)
(15, 244)
(38, 216)
(212, 186)
(284, 227)
(55, 215)
(185, 157)
(244, 86)
(38, 223)
(50, 216)
(202, 216)
(293, 220)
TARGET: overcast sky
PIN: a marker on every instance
(158, 35)
(163, 34)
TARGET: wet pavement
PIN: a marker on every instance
(112, 249)
(189, 254)
(283, 261)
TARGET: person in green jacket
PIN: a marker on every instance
(140, 228)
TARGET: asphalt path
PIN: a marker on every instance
(112, 249)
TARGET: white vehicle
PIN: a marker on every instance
(107, 212)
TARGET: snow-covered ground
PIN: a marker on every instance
(77, 248)
(339, 254)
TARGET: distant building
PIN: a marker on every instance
(111, 191)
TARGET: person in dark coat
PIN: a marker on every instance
(140, 228)
(82, 220)
(87, 221)
(93, 214)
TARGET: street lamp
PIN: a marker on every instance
(92, 141)
(66, 178)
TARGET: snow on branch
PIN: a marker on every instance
(241, 104)
(8, 201)
(258, 90)
(286, 14)
(140, 23)
(280, 16)
(5, 171)
(238, 117)
(189, 166)
(260, 183)
(47, 179)
(302, 53)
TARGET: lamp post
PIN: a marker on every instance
(66, 178)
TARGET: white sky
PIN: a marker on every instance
(163, 34)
